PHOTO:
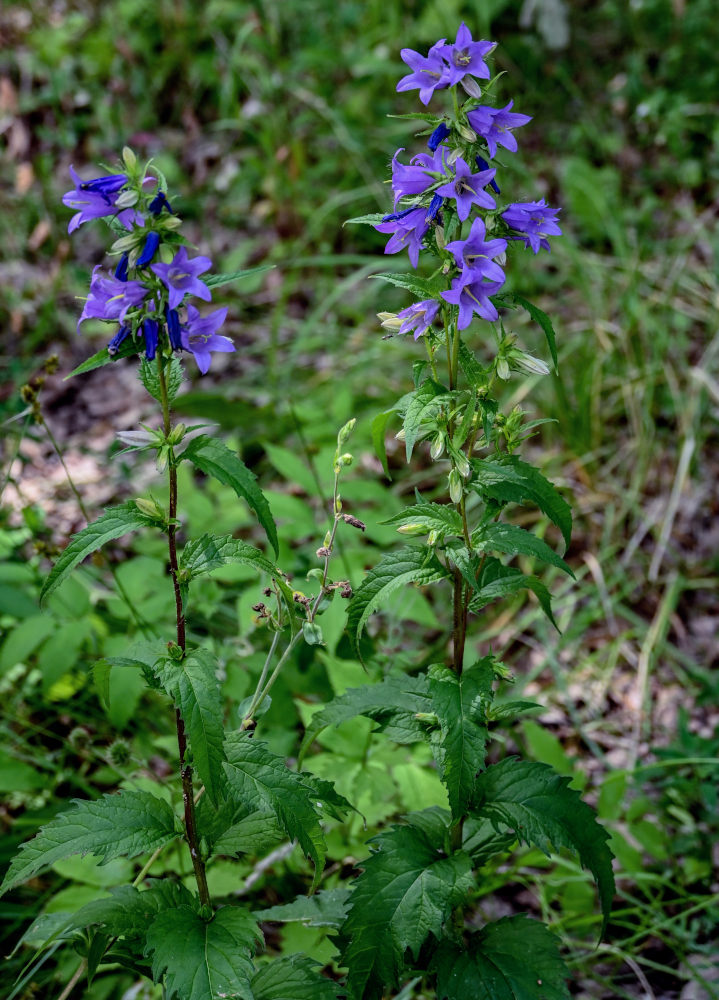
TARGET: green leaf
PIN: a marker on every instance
(325, 909)
(498, 581)
(406, 892)
(293, 977)
(539, 317)
(379, 427)
(540, 807)
(476, 374)
(513, 540)
(369, 220)
(511, 709)
(192, 684)
(174, 375)
(216, 280)
(122, 825)
(395, 570)
(215, 459)
(125, 350)
(203, 959)
(423, 405)
(509, 480)
(482, 841)
(444, 519)
(460, 704)
(395, 699)
(262, 779)
(420, 287)
(208, 552)
(514, 958)
(115, 522)
(253, 834)
(127, 911)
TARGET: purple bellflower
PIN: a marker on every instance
(173, 329)
(438, 136)
(151, 333)
(419, 316)
(468, 188)
(495, 125)
(121, 269)
(428, 72)
(158, 203)
(114, 346)
(473, 298)
(536, 220)
(181, 277)
(111, 298)
(96, 199)
(475, 256)
(199, 337)
(408, 229)
(465, 58)
(149, 249)
(483, 165)
(417, 177)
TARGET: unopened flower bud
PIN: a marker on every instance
(345, 432)
(502, 369)
(415, 528)
(437, 447)
(466, 132)
(531, 364)
(177, 433)
(345, 459)
(455, 486)
(129, 158)
(119, 753)
(260, 608)
(400, 435)
(312, 634)
(462, 463)
(471, 86)
(433, 537)
(439, 237)
(127, 199)
(389, 321)
(149, 507)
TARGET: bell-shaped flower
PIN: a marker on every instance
(96, 198)
(114, 346)
(418, 317)
(199, 337)
(495, 126)
(417, 177)
(111, 298)
(475, 255)
(428, 72)
(438, 136)
(181, 277)
(467, 189)
(408, 229)
(465, 58)
(149, 250)
(536, 220)
(173, 329)
(473, 298)
(151, 333)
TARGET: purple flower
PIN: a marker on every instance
(199, 337)
(495, 124)
(483, 165)
(438, 136)
(475, 256)
(473, 298)
(417, 177)
(419, 317)
(465, 58)
(149, 250)
(114, 345)
(428, 72)
(181, 277)
(434, 207)
(121, 269)
(151, 333)
(468, 188)
(96, 199)
(173, 329)
(534, 218)
(111, 298)
(158, 203)
(408, 229)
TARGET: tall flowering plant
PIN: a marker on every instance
(412, 913)
(232, 796)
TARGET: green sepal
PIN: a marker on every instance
(115, 522)
(115, 826)
(541, 809)
(215, 459)
(514, 958)
(193, 685)
(395, 569)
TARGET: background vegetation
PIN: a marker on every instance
(270, 119)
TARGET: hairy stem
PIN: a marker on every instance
(185, 769)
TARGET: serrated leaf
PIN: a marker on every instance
(327, 908)
(128, 912)
(126, 349)
(406, 892)
(293, 977)
(115, 522)
(204, 959)
(420, 287)
(539, 316)
(253, 834)
(208, 552)
(509, 480)
(262, 779)
(511, 709)
(192, 684)
(216, 280)
(215, 459)
(514, 958)
(482, 841)
(444, 519)
(512, 540)
(122, 825)
(395, 699)
(459, 745)
(148, 375)
(475, 373)
(498, 581)
(539, 806)
(395, 570)
(423, 404)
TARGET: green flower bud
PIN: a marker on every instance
(455, 486)
(437, 447)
